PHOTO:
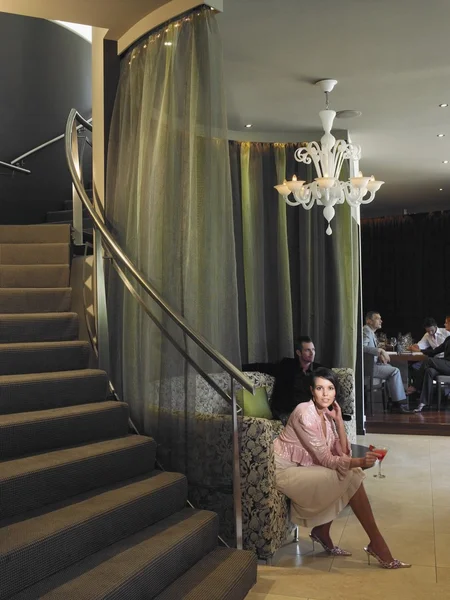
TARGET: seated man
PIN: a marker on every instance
(433, 367)
(434, 337)
(382, 370)
(292, 378)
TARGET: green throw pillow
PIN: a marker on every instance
(254, 406)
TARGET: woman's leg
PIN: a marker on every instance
(361, 507)
(323, 533)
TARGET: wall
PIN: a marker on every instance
(45, 72)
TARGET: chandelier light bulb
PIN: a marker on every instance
(328, 157)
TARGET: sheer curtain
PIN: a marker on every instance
(169, 202)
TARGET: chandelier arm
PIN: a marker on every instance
(291, 202)
(369, 199)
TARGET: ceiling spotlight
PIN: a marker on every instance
(445, 162)
(443, 105)
(440, 189)
(249, 125)
(441, 134)
(167, 43)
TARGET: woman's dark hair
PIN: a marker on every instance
(329, 376)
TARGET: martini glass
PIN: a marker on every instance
(380, 452)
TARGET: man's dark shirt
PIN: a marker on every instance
(444, 347)
(291, 384)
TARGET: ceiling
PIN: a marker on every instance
(392, 61)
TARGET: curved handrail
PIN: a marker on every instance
(44, 145)
(14, 167)
(121, 257)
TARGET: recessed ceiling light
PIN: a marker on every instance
(348, 114)
(167, 43)
(445, 162)
(444, 105)
(440, 189)
(249, 125)
(441, 134)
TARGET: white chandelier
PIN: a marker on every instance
(328, 158)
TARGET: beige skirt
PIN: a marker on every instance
(317, 494)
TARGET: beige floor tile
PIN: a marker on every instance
(442, 549)
(443, 576)
(392, 515)
(441, 496)
(257, 596)
(400, 492)
(442, 519)
(416, 547)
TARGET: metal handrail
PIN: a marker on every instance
(119, 255)
(14, 167)
(45, 144)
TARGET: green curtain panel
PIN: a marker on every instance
(293, 279)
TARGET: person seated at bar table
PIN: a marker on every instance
(432, 367)
(381, 369)
(434, 336)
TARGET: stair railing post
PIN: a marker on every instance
(101, 312)
(237, 497)
(77, 205)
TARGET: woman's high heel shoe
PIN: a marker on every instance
(394, 564)
(335, 551)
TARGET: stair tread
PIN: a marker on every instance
(20, 467)
(153, 556)
(54, 519)
(51, 375)
(45, 232)
(223, 573)
(60, 316)
(44, 345)
(38, 416)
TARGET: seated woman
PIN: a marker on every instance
(314, 468)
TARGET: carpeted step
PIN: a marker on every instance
(45, 543)
(223, 574)
(87, 223)
(43, 391)
(35, 481)
(42, 357)
(141, 566)
(35, 300)
(65, 216)
(38, 327)
(43, 430)
(34, 254)
(34, 234)
(38, 276)
(68, 204)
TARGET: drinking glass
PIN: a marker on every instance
(381, 452)
(393, 343)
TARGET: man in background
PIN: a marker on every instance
(383, 370)
(293, 377)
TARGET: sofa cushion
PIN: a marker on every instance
(256, 405)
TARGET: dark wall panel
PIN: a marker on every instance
(45, 71)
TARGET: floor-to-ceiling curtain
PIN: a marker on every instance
(293, 278)
(169, 203)
(265, 306)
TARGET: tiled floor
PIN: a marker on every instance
(412, 508)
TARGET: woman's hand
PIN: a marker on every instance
(336, 412)
(369, 460)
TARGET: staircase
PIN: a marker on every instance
(84, 514)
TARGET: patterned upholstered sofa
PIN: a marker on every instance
(266, 522)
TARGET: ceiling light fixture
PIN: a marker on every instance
(440, 189)
(445, 162)
(443, 105)
(328, 158)
(441, 134)
(249, 125)
(167, 43)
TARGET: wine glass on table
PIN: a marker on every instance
(393, 343)
(380, 452)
